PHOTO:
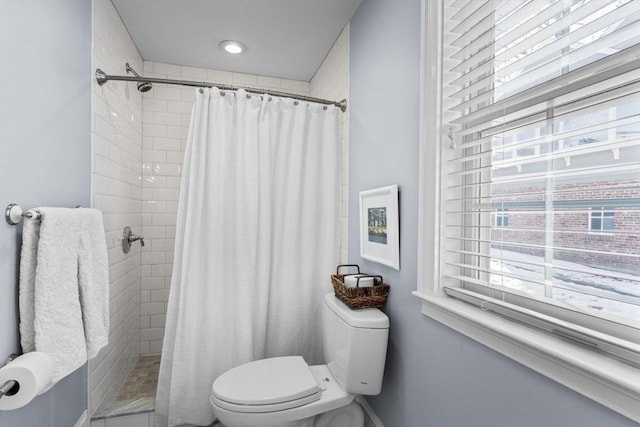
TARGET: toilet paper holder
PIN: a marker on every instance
(10, 387)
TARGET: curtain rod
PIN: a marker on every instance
(102, 78)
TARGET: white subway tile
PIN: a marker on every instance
(167, 169)
(145, 296)
(149, 309)
(168, 118)
(154, 181)
(294, 85)
(154, 130)
(167, 282)
(151, 232)
(175, 157)
(155, 347)
(163, 219)
(168, 93)
(188, 94)
(173, 183)
(185, 119)
(193, 73)
(152, 258)
(151, 334)
(165, 194)
(217, 76)
(152, 104)
(163, 244)
(145, 271)
(168, 69)
(162, 270)
(148, 283)
(147, 117)
(161, 295)
(145, 321)
(182, 107)
(166, 144)
(158, 321)
(169, 256)
(147, 194)
(268, 82)
(151, 206)
(177, 132)
(172, 207)
(244, 79)
(154, 156)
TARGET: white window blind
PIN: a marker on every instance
(543, 98)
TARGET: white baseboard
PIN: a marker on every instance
(83, 421)
(371, 419)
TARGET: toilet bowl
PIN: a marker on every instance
(294, 412)
(287, 392)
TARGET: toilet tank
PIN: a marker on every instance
(355, 345)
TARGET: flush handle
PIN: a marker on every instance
(128, 238)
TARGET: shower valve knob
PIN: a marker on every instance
(128, 237)
(135, 237)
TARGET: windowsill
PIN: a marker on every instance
(600, 233)
(609, 382)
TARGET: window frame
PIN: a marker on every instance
(604, 379)
(501, 219)
(600, 214)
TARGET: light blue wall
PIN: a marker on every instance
(45, 157)
(434, 376)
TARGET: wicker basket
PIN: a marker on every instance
(357, 298)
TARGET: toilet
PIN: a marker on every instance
(287, 392)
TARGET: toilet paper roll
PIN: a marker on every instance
(33, 372)
(351, 280)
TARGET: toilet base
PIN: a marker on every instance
(351, 415)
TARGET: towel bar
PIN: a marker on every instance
(14, 213)
(10, 387)
(7, 388)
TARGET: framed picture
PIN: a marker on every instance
(379, 233)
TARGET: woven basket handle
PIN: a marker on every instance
(347, 266)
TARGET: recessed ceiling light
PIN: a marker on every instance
(231, 46)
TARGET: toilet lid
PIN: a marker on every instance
(267, 382)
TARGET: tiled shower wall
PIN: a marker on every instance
(116, 138)
(166, 115)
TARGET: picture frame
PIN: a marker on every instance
(379, 226)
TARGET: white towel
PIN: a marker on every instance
(28, 263)
(64, 287)
(93, 278)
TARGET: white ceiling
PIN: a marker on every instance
(284, 38)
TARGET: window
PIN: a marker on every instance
(601, 220)
(537, 107)
(502, 218)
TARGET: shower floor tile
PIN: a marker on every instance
(143, 379)
(138, 393)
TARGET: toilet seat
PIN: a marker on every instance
(331, 397)
(266, 385)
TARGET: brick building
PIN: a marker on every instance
(599, 219)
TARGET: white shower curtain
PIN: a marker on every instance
(257, 238)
